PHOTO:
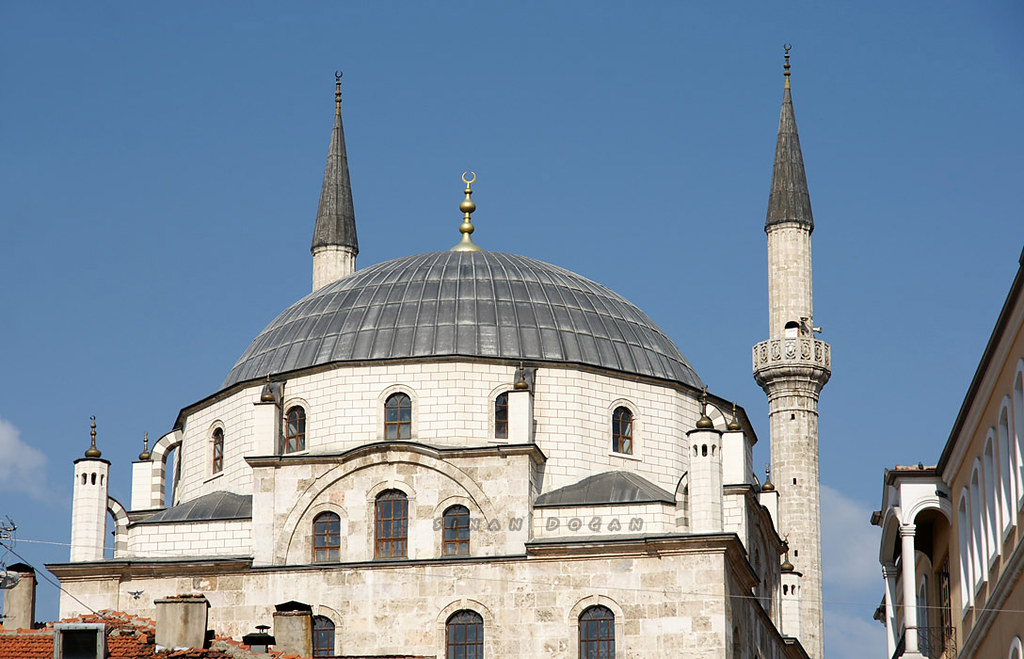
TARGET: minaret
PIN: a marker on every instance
(89, 504)
(334, 239)
(792, 366)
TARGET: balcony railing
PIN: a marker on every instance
(801, 349)
(932, 642)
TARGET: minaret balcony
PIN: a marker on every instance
(801, 352)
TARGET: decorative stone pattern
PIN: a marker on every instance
(800, 350)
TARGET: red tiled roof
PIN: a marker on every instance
(128, 637)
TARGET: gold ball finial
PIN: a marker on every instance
(467, 207)
(337, 92)
(734, 422)
(785, 66)
(768, 485)
(145, 455)
(704, 421)
(92, 451)
(521, 384)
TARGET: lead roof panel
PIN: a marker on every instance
(471, 304)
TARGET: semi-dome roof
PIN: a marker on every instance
(471, 304)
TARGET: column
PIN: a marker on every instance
(889, 576)
(909, 575)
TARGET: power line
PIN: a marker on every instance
(664, 591)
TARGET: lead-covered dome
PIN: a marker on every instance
(468, 304)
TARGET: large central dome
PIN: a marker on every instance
(468, 304)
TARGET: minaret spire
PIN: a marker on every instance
(788, 200)
(334, 238)
(792, 366)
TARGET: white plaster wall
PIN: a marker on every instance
(452, 407)
(219, 538)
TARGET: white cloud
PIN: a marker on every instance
(853, 636)
(22, 468)
(849, 546)
(852, 577)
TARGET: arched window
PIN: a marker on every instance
(391, 517)
(295, 430)
(323, 637)
(326, 538)
(966, 561)
(978, 548)
(456, 531)
(1006, 468)
(218, 450)
(1016, 649)
(501, 416)
(597, 633)
(464, 636)
(398, 417)
(622, 431)
(792, 329)
(1018, 429)
(991, 497)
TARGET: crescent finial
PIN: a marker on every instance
(468, 181)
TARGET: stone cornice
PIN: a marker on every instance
(441, 453)
(149, 568)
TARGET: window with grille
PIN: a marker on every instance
(464, 636)
(295, 430)
(326, 538)
(323, 637)
(391, 518)
(945, 617)
(218, 450)
(622, 431)
(597, 633)
(501, 416)
(398, 417)
(456, 531)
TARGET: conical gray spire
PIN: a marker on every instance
(788, 200)
(335, 218)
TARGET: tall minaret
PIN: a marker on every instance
(334, 239)
(792, 366)
(89, 504)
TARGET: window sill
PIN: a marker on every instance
(214, 477)
(625, 456)
(304, 451)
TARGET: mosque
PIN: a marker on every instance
(470, 454)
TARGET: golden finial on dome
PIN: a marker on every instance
(467, 207)
(145, 455)
(704, 421)
(92, 451)
(768, 485)
(785, 66)
(337, 92)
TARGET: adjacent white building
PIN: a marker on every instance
(468, 453)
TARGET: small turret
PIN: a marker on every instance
(89, 503)
(705, 448)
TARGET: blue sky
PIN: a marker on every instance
(162, 164)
